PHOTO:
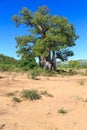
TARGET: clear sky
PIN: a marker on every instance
(74, 10)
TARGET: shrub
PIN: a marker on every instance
(30, 94)
(6, 67)
(34, 74)
(81, 82)
(74, 64)
(62, 111)
(26, 64)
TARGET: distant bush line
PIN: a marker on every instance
(33, 70)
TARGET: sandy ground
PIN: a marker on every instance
(42, 114)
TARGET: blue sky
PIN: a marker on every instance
(74, 10)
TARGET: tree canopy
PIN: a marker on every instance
(50, 36)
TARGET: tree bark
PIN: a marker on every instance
(47, 63)
(48, 58)
(44, 63)
(53, 60)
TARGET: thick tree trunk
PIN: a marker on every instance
(44, 63)
(47, 63)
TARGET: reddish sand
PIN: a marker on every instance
(42, 114)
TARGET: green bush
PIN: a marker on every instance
(26, 64)
(7, 63)
(30, 94)
(74, 64)
(62, 111)
(5, 67)
(34, 74)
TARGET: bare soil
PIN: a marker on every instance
(69, 93)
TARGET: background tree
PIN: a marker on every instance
(7, 63)
(74, 64)
(48, 35)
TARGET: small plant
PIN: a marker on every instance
(30, 94)
(85, 100)
(62, 111)
(46, 93)
(82, 82)
(16, 99)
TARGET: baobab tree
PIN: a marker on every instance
(50, 36)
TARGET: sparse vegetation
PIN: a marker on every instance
(32, 94)
(85, 100)
(82, 82)
(34, 74)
